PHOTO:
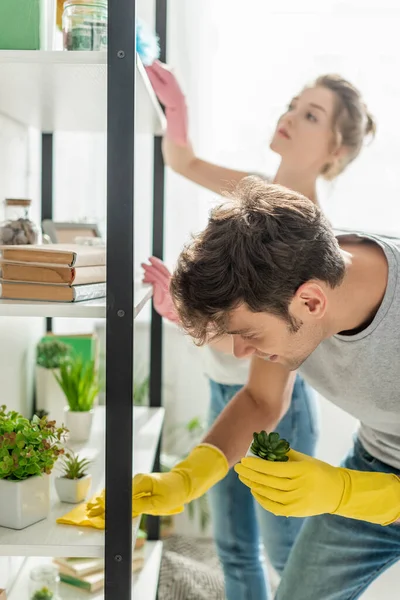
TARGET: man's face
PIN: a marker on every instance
(273, 338)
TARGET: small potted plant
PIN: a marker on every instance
(79, 382)
(49, 397)
(74, 484)
(43, 594)
(269, 447)
(28, 451)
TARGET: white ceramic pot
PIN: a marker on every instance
(250, 453)
(79, 424)
(49, 395)
(73, 490)
(24, 502)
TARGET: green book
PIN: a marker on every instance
(84, 345)
(90, 583)
(19, 24)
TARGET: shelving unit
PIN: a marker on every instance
(92, 309)
(67, 91)
(100, 92)
(144, 582)
(47, 538)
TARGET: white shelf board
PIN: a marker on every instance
(145, 582)
(48, 538)
(92, 309)
(67, 91)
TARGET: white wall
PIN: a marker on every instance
(19, 178)
(19, 168)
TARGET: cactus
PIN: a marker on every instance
(270, 447)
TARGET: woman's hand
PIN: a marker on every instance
(171, 96)
(157, 274)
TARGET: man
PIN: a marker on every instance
(269, 271)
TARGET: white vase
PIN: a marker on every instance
(24, 502)
(49, 395)
(73, 490)
(79, 424)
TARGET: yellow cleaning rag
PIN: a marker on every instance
(88, 514)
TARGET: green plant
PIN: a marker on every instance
(79, 382)
(52, 353)
(28, 448)
(73, 466)
(270, 447)
(43, 594)
(184, 437)
(41, 413)
(140, 391)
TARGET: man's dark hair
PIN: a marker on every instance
(258, 248)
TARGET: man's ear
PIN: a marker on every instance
(310, 299)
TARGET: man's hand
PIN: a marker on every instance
(305, 486)
(167, 493)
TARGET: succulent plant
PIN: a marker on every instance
(270, 446)
(51, 353)
(43, 594)
(73, 466)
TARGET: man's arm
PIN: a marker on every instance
(260, 404)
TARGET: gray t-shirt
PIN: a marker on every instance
(361, 372)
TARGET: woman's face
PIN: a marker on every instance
(303, 136)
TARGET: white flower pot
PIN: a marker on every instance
(250, 453)
(49, 395)
(73, 490)
(79, 424)
(24, 502)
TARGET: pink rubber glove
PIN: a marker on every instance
(157, 274)
(170, 95)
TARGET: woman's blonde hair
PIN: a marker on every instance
(352, 122)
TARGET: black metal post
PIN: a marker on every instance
(47, 188)
(120, 286)
(156, 334)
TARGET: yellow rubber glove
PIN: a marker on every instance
(167, 493)
(305, 486)
(87, 514)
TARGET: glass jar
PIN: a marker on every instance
(43, 583)
(85, 25)
(18, 228)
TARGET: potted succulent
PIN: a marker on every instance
(269, 447)
(49, 397)
(79, 382)
(43, 594)
(28, 451)
(74, 484)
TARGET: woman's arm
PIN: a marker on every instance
(177, 150)
(183, 160)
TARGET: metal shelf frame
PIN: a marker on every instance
(120, 284)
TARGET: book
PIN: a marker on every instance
(14, 290)
(93, 581)
(69, 255)
(80, 567)
(82, 344)
(37, 273)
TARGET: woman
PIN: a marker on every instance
(320, 133)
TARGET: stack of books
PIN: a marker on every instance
(53, 272)
(88, 573)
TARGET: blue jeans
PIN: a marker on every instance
(336, 558)
(238, 520)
